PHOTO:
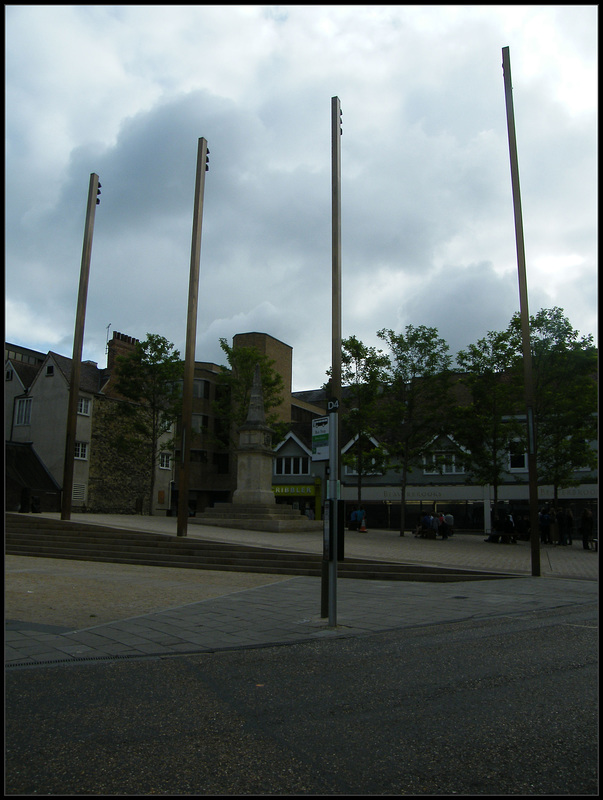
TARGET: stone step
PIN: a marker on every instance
(214, 553)
(276, 518)
(269, 525)
(45, 538)
(252, 509)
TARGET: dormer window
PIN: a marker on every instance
(291, 465)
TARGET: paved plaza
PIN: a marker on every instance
(221, 611)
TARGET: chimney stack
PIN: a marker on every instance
(119, 345)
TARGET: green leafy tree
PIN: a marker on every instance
(416, 399)
(564, 367)
(488, 424)
(235, 383)
(150, 379)
(362, 373)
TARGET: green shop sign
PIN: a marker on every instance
(292, 488)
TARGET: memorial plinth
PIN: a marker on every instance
(253, 503)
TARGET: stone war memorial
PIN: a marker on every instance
(253, 504)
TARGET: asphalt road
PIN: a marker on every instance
(498, 706)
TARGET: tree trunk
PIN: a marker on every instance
(152, 484)
(403, 501)
(152, 466)
(359, 467)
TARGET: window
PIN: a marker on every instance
(49, 371)
(201, 389)
(291, 465)
(83, 406)
(81, 451)
(442, 463)
(164, 461)
(517, 457)
(200, 422)
(351, 471)
(452, 468)
(351, 456)
(9, 374)
(23, 413)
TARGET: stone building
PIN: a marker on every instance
(213, 468)
(36, 401)
(107, 479)
(36, 393)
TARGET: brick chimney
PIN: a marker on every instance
(120, 345)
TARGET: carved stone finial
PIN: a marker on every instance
(254, 456)
(256, 412)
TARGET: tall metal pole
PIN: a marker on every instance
(334, 403)
(78, 342)
(525, 321)
(191, 336)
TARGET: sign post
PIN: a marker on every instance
(320, 439)
(320, 452)
(333, 407)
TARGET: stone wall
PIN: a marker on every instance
(118, 480)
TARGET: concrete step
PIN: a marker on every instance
(27, 534)
(251, 509)
(277, 518)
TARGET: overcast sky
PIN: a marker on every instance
(428, 231)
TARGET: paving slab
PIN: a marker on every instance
(289, 611)
(237, 610)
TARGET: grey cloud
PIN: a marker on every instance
(426, 196)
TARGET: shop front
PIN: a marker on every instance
(307, 497)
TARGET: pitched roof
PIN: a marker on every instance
(91, 377)
(314, 396)
(25, 372)
(25, 469)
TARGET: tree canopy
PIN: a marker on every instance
(363, 373)
(150, 379)
(416, 400)
(487, 426)
(236, 381)
(407, 397)
(564, 369)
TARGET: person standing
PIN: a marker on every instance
(508, 528)
(554, 527)
(497, 528)
(586, 528)
(426, 526)
(568, 527)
